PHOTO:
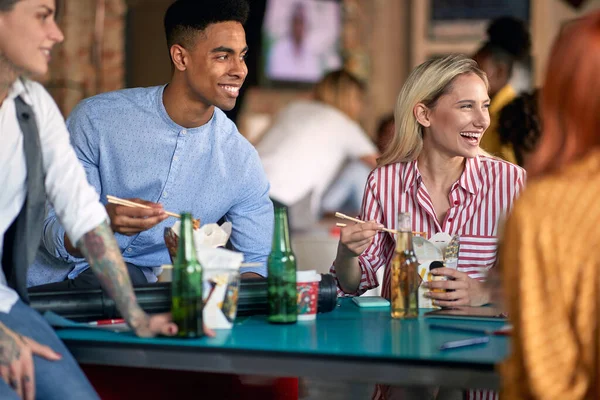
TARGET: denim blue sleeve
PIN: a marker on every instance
(85, 143)
(252, 216)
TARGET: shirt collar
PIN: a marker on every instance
(165, 115)
(411, 175)
(18, 89)
(469, 179)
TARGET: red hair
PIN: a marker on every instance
(570, 97)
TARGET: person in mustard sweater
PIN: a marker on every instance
(550, 272)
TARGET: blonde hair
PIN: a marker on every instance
(425, 84)
(334, 87)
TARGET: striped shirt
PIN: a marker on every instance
(484, 193)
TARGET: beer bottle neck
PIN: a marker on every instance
(281, 235)
(187, 250)
(404, 242)
(404, 239)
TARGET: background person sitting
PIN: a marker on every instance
(308, 146)
(519, 125)
(508, 44)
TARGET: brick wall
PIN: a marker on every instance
(76, 71)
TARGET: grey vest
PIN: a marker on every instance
(22, 238)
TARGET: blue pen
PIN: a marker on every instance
(465, 342)
(461, 329)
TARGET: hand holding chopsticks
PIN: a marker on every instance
(135, 223)
(128, 203)
(344, 216)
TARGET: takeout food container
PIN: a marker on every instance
(211, 235)
(440, 247)
(220, 273)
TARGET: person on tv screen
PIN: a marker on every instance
(304, 52)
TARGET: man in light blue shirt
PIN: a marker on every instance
(173, 147)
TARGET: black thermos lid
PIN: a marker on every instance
(436, 264)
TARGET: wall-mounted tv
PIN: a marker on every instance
(301, 40)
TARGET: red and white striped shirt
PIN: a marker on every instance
(484, 193)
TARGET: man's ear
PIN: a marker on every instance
(179, 57)
(421, 113)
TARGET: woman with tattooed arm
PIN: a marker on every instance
(37, 162)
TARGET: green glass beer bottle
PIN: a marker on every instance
(281, 280)
(186, 288)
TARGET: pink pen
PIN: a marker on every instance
(107, 322)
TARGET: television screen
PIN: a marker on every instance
(301, 40)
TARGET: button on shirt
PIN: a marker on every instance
(130, 147)
(483, 194)
(75, 200)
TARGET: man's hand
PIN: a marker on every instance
(467, 291)
(16, 361)
(160, 324)
(102, 253)
(131, 220)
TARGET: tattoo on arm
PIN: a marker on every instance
(9, 349)
(102, 253)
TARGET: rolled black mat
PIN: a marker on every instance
(94, 304)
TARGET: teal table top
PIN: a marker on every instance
(347, 332)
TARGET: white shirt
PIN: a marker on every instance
(306, 147)
(520, 80)
(75, 201)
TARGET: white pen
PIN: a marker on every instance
(465, 342)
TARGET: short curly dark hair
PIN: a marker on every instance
(185, 18)
(7, 5)
(519, 124)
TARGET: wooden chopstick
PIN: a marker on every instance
(127, 203)
(344, 216)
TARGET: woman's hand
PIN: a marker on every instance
(354, 239)
(16, 361)
(466, 291)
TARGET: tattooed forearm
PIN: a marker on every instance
(102, 253)
(9, 350)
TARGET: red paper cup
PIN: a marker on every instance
(307, 284)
